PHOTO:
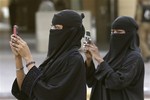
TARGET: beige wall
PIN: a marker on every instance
(127, 7)
(90, 6)
(4, 3)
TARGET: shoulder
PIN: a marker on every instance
(75, 61)
(75, 56)
(134, 56)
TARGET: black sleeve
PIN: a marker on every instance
(30, 80)
(90, 70)
(122, 77)
(17, 93)
(57, 84)
(27, 84)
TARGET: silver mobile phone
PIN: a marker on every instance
(87, 37)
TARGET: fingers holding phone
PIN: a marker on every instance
(12, 41)
(15, 40)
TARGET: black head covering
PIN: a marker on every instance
(68, 18)
(122, 44)
(68, 38)
(71, 34)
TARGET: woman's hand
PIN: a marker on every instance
(20, 47)
(88, 58)
(92, 48)
(13, 49)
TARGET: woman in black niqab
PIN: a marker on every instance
(120, 74)
(122, 44)
(66, 39)
(62, 75)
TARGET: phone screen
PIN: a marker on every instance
(88, 37)
(88, 33)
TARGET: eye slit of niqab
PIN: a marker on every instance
(56, 27)
(118, 31)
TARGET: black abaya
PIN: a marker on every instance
(62, 75)
(124, 84)
(121, 75)
(66, 82)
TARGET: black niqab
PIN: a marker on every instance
(121, 44)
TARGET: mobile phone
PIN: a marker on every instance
(87, 37)
(15, 30)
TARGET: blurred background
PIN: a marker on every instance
(102, 12)
(34, 20)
